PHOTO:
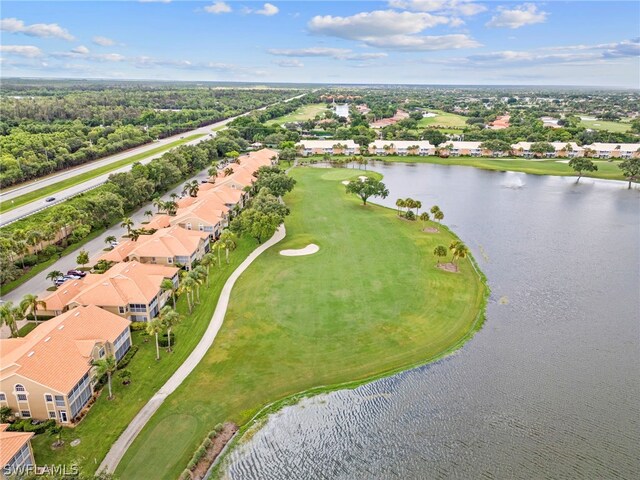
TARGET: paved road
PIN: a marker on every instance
(95, 247)
(40, 204)
(118, 449)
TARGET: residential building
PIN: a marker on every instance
(500, 122)
(385, 122)
(129, 289)
(615, 150)
(48, 374)
(163, 247)
(561, 149)
(472, 149)
(16, 454)
(327, 147)
(402, 147)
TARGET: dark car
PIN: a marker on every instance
(50, 199)
(77, 272)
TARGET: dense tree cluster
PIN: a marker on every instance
(22, 244)
(50, 126)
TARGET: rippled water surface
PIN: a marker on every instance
(549, 388)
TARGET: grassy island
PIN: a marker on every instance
(370, 302)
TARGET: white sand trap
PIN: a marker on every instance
(363, 178)
(346, 182)
(308, 250)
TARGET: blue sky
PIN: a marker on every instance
(395, 41)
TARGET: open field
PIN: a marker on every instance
(606, 125)
(306, 112)
(107, 419)
(83, 177)
(358, 308)
(444, 120)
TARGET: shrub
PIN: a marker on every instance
(163, 341)
(185, 475)
(199, 454)
(218, 428)
(28, 260)
(127, 357)
(137, 326)
(206, 443)
(410, 215)
(28, 425)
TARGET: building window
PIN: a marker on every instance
(101, 354)
(19, 388)
(52, 414)
(48, 398)
(170, 260)
(25, 413)
(121, 309)
(60, 401)
(3, 397)
(22, 397)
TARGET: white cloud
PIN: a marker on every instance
(289, 63)
(13, 25)
(268, 9)
(28, 51)
(378, 23)
(527, 14)
(459, 7)
(103, 41)
(218, 8)
(336, 53)
(82, 50)
(424, 43)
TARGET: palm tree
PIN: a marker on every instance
(438, 215)
(148, 213)
(34, 238)
(53, 275)
(217, 247)
(424, 216)
(154, 327)
(400, 203)
(206, 262)
(158, 203)
(434, 209)
(31, 302)
(106, 366)
(228, 171)
(461, 251)
(9, 317)
(167, 286)
(228, 240)
(440, 251)
(169, 318)
(198, 274)
(170, 207)
(110, 239)
(417, 204)
(134, 235)
(187, 285)
(127, 223)
(452, 248)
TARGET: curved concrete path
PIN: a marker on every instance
(118, 449)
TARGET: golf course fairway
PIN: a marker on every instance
(369, 302)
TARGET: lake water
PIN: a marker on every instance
(549, 388)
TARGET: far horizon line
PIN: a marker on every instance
(326, 84)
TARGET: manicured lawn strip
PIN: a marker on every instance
(618, 127)
(83, 177)
(36, 269)
(370, 301)
(26, 329)
(443, 119)
(306, 112)
(606, 170)
(107, 419)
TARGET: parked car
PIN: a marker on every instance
(59, 281)
(49, 199)
(75, 277)
(77, 272)
(114, 244)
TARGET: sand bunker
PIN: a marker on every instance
(308, 250)
(346, 182)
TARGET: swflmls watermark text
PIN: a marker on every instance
(32, 470)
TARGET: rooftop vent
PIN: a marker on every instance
(60, 327)
(47, 339)
(30, 354)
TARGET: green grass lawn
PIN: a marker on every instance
(606, 125)
(306, 112)
(370, 302)
(83, 177)
(444, 120)
(107, 419)
(607, 170)
(26, 328)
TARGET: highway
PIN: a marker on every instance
(40, 204)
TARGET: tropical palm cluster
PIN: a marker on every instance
(458, 250)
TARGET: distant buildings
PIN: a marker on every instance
(500, 122)
(385, 122)
(48, 374)
(342, 110)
